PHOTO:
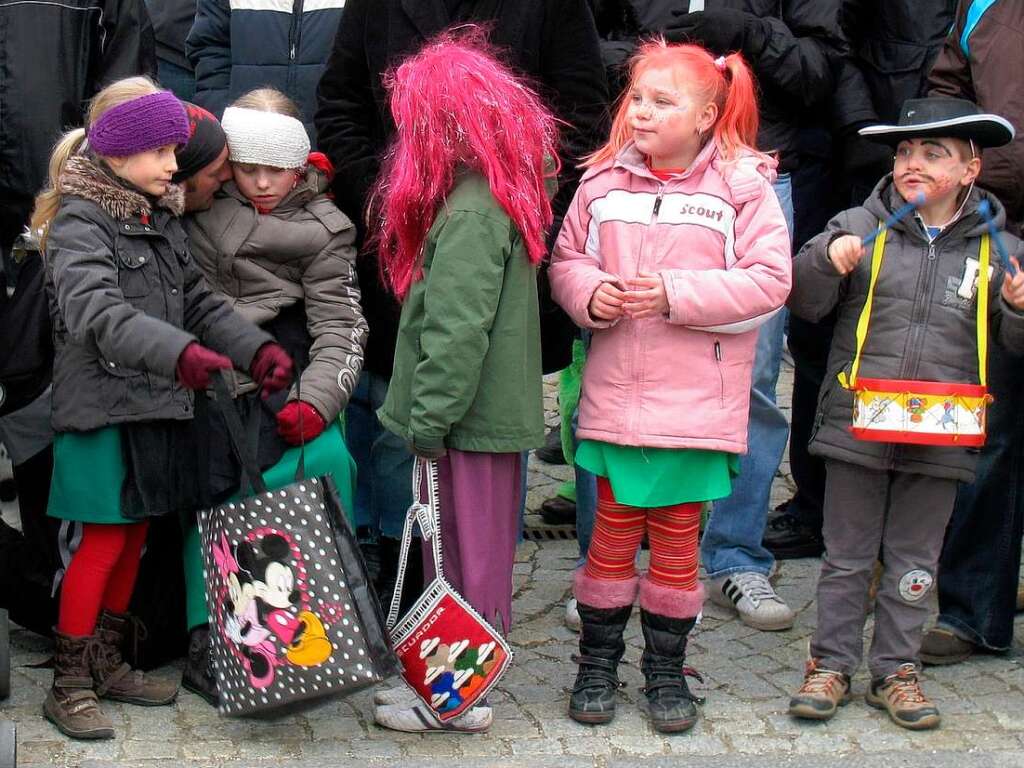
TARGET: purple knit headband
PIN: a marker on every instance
(148, 122)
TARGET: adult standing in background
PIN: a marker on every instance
(172, 20)
(56, 57)
(553, 42)
(238, 47)
(980, 564)
(890, 47)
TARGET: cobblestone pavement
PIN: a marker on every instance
(749, 676)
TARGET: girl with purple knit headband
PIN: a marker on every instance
(136, 329)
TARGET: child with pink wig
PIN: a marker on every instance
(673, 252)
(463, 207)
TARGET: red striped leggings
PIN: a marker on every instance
(618, 530)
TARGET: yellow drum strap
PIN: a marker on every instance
(982, 305)
(877, 254)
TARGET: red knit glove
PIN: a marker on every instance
(271, 368)
(196, 363)
(299, 422)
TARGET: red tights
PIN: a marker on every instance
(618, 529)
(101, 575)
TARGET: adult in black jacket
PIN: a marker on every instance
(791, 45)
(890, 47)
(554, 42)
(172, 20)
(56, 57)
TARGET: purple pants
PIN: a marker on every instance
(480, 495)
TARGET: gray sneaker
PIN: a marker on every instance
(754, 599)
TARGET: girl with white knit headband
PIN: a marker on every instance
(283, 254)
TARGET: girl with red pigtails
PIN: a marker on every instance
(463, 207)
(674, 251)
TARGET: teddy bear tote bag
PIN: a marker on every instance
(292, 614)
(451, 656)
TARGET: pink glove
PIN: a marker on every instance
(271, 368)
(294, 431)
(196, 363)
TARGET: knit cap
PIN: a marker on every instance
(147, 122)
(205, 143)
(265, 138)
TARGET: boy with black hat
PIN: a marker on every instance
(914, 311)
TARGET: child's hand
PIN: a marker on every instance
(646, 297)
(1013, 287)
(845, 253)
(606, 303)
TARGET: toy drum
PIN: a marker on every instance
(920, 412)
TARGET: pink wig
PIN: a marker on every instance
(456, 107)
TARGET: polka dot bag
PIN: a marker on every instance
(293, 616)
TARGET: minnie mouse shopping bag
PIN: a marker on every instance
(292, 613)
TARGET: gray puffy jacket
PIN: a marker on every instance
(300, 253)
(126, 298)
(920, 327)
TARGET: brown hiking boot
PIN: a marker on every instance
(901, 694)
(71, 704)
(822, 692)
(941, 646)
(114, 678)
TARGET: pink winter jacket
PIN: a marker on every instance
(717, 236)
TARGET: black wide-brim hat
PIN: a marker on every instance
(943, 117)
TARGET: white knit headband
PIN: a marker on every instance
(265, 138)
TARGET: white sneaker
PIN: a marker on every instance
(572, 615)
(419, 719)
(755, 600)
(396, 694)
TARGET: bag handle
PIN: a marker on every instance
(243, 447)
(429, 517)
(981, 321)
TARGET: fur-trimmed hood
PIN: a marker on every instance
(84, 177)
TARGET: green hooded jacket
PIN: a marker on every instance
(467, 371)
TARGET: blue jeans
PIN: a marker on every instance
(383, 462)
(732, 536)
(980, 563)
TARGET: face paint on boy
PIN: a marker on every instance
(937, 168)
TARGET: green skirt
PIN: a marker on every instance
(659, 477)
(88, 472)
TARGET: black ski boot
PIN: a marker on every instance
(601, 647)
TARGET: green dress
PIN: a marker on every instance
(659, 477)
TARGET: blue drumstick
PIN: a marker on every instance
(898, 215)
(986, 211)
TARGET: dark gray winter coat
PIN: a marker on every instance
(126, 298)
(920, 327)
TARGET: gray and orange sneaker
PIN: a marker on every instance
(822, 693)
(901, 695)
